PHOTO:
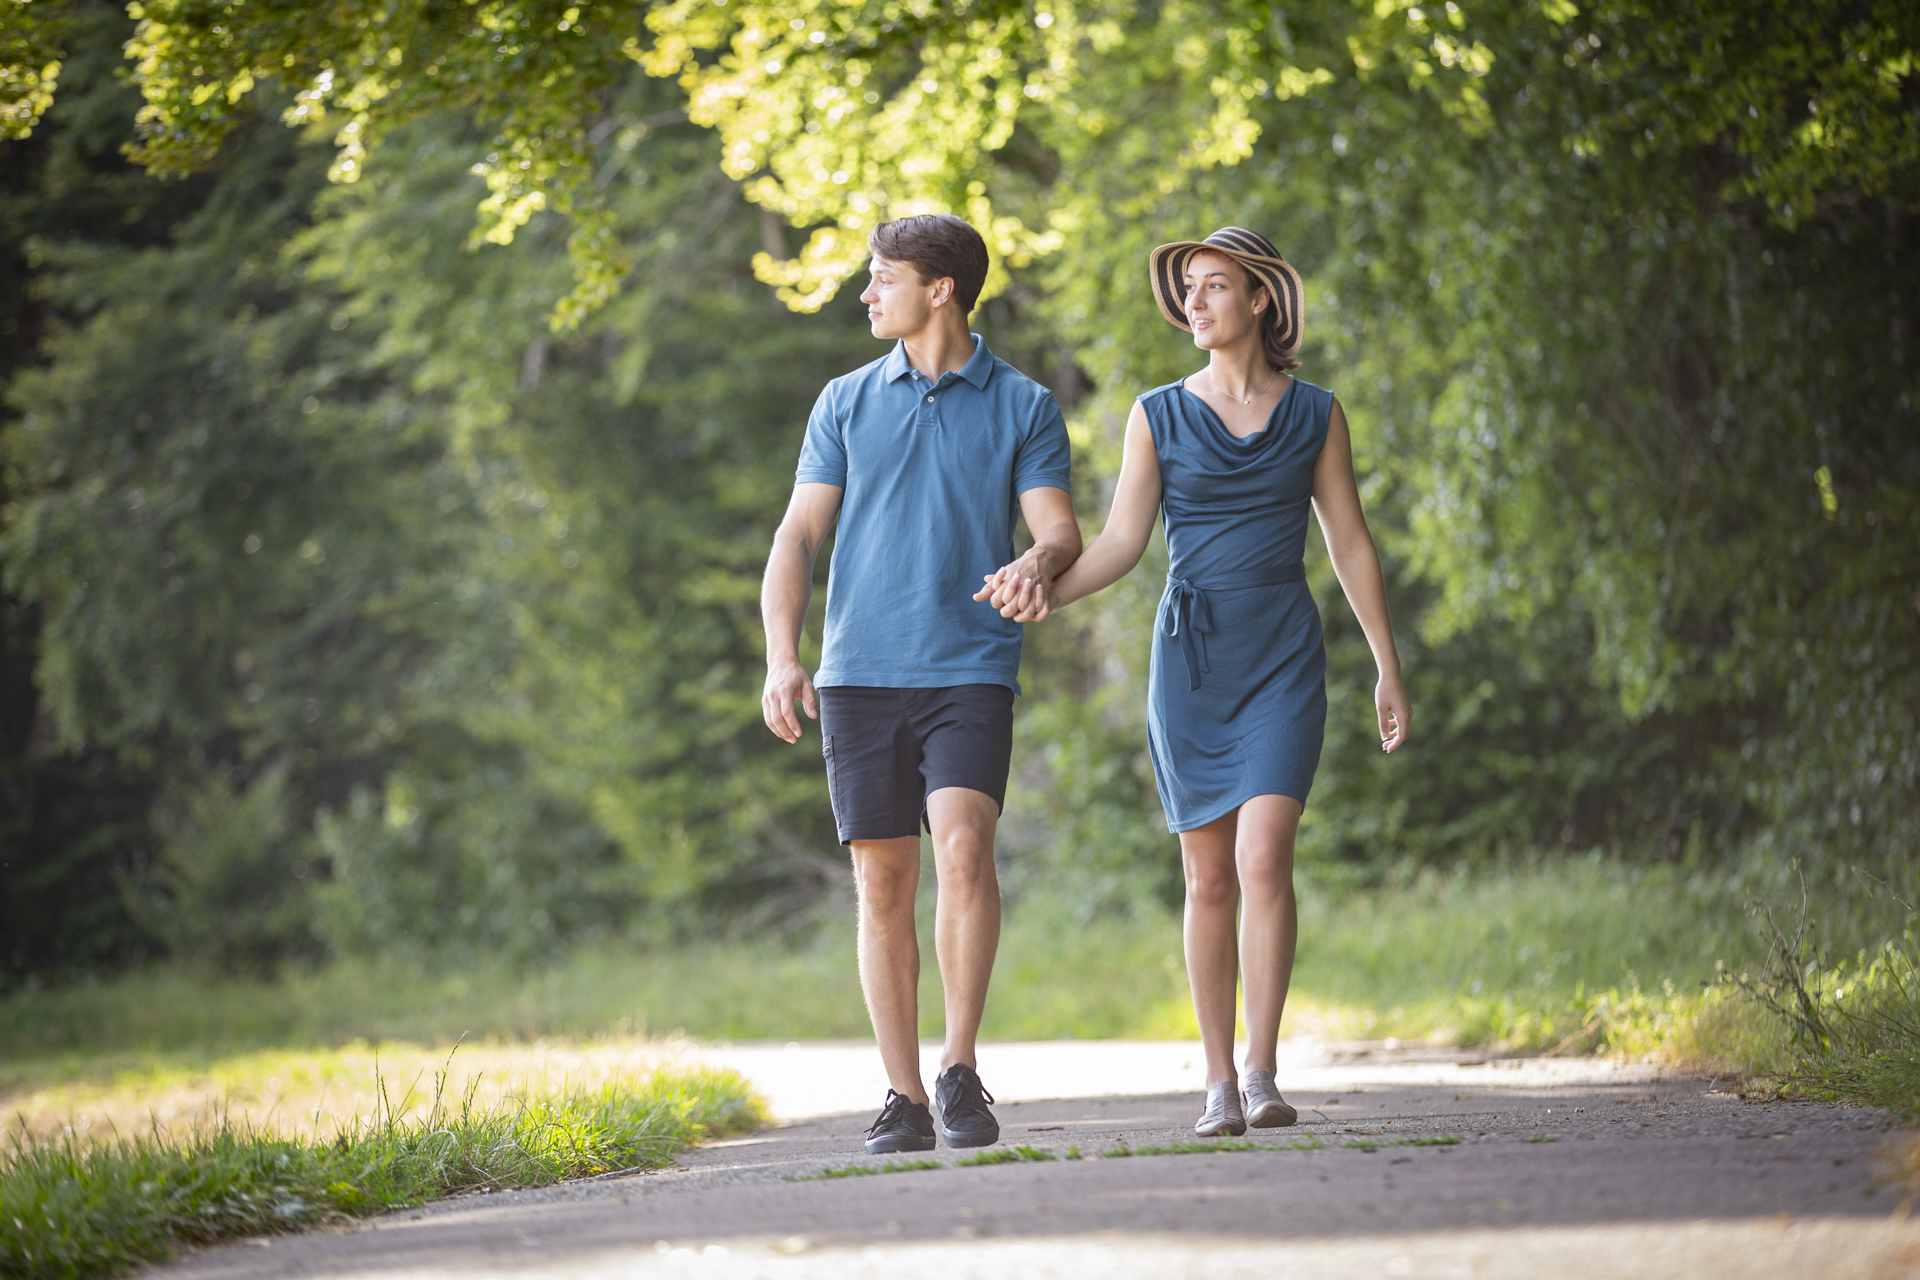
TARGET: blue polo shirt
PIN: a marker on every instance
(932, 474)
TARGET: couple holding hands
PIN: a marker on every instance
(927, 457)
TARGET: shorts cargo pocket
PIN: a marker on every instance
(833, 790)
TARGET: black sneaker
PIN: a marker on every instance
(964, 1118)
(904, 1125)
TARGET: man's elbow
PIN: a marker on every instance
(791, 539)
(1066, 543)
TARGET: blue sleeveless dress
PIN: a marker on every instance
(1236, 695)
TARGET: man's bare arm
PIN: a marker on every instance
(1111, 555)
(1027, 583)
(784, 594)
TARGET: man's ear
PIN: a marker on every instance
(942, 291)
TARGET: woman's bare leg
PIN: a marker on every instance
(1213, 893)
(1269, 919)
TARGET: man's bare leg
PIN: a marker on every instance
(886, 875)
(966, 922)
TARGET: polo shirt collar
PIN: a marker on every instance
(977, 369)
(896, 366)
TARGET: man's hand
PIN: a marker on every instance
(1022, 590)
(783, 604)
(786, 682)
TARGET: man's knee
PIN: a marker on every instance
(963, 829)
(885, 878)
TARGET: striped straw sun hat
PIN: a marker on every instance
(1167, 266)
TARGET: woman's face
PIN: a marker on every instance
(1222, 306)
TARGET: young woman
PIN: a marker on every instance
(1232, 456)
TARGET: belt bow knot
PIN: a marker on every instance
(1184, 615)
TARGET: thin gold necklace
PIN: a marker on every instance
(1272, 373)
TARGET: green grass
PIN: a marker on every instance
(868, 1170)
(1181, 1149)
(1007, 1155)
(1852, 1026)
(73, 1208)
(1578, 955)
(1584, 954)
(1444, 1140)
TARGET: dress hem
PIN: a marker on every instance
(1224, 810)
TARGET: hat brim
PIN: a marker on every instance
(1167, 269)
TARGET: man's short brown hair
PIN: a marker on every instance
(938, 245)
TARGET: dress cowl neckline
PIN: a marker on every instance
(1266, 431)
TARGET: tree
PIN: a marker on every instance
(1617, 296)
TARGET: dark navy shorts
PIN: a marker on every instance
(887, 750)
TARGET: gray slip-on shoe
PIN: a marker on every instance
(1223, 1116)
(1266, 1109)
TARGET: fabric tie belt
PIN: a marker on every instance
(1185, 615)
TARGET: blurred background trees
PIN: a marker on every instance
(385, 495)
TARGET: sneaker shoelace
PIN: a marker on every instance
(971, 1094)
(889, 1111)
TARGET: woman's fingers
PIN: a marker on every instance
(1393, 726)
(1017, 592)
(990, 592)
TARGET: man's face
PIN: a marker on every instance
(899, 302)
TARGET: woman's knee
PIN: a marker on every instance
(1266, 871)
(1211, 886)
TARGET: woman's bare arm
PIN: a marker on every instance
(1109, 557)
(1356, 562)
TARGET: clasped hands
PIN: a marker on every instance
(1023, 590)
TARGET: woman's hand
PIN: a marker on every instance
(1396, 716)
(1018, 591)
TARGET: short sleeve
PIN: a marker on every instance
(1045, 460)
(823, 456)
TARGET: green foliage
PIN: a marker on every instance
(368, 607)
(218, 891)
(470, 601)
(1853, 1025)
(1596, 395)
(76, 1209)
(32, 43)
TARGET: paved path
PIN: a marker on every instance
(1563, 1168)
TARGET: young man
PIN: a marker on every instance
(924, 455)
